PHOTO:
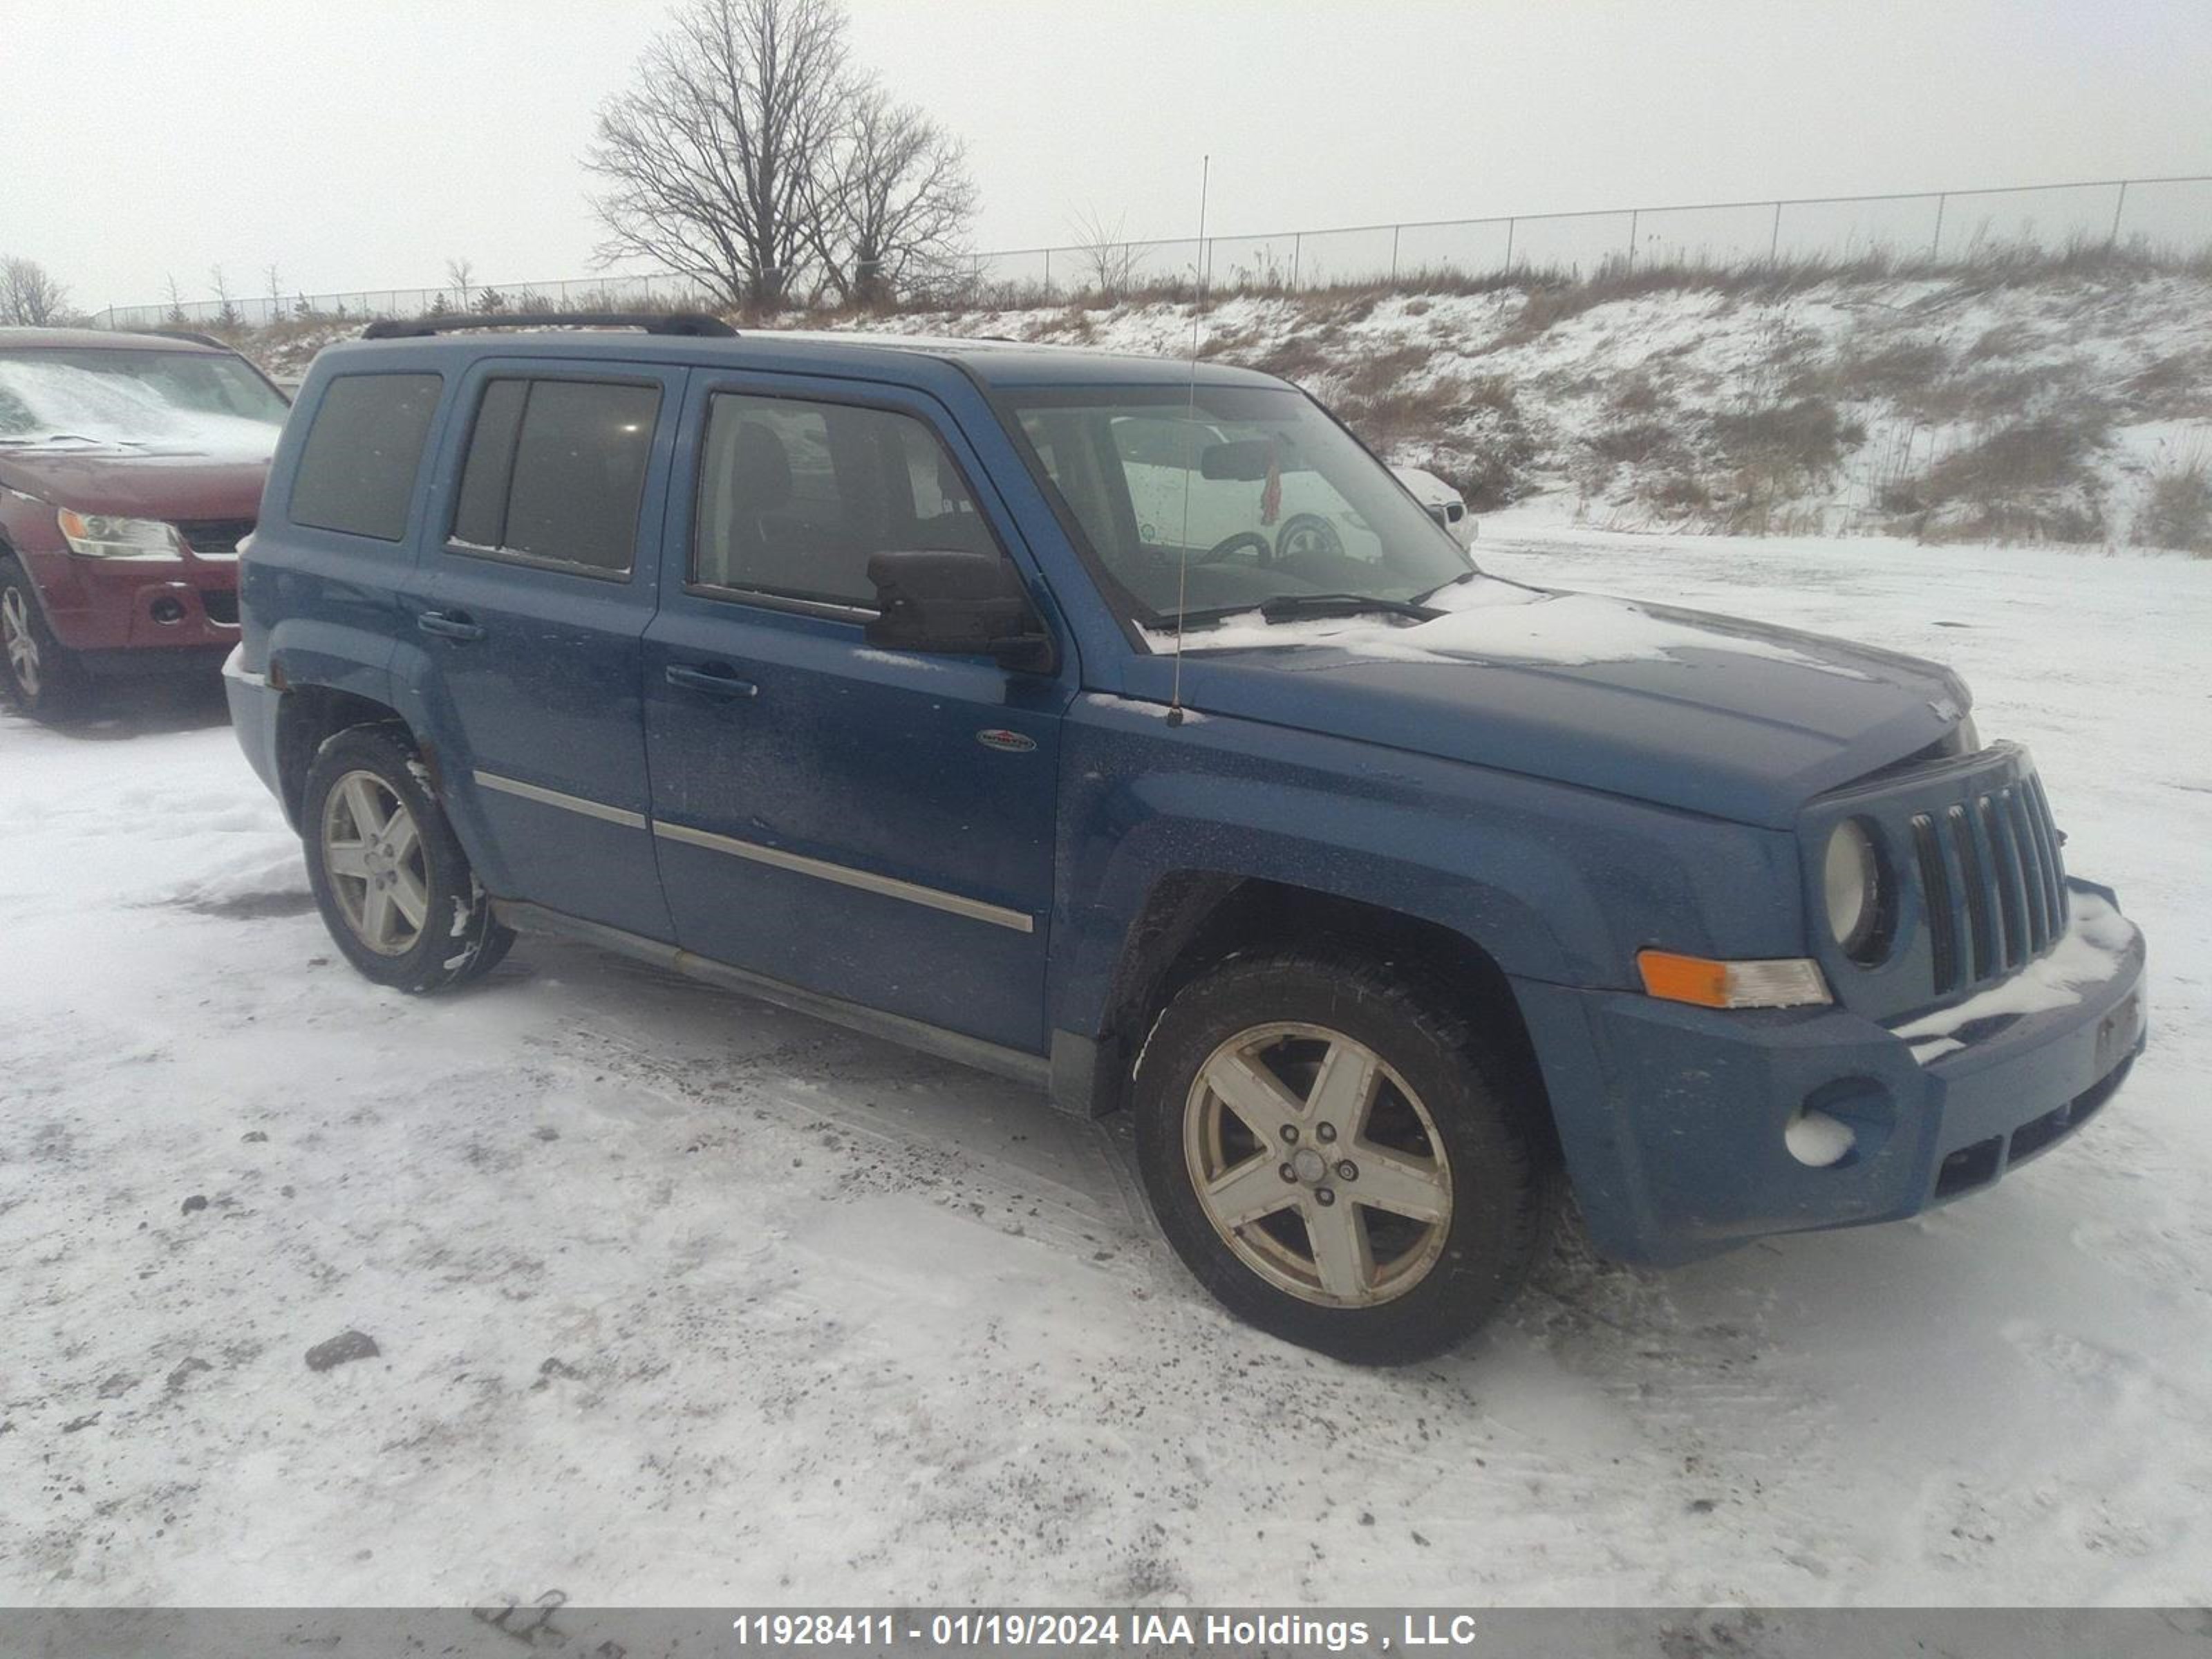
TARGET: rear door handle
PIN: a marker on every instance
(449, 628)
(715, 682)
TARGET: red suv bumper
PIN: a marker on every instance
(104, 607)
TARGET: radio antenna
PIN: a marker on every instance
(1190, 424)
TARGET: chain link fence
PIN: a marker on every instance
(2171, 215)
(644, 292)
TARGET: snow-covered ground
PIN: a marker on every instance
(680, 1298)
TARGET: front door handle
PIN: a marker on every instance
(449, 627)
(714, 681)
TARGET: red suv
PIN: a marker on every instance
(130, 470)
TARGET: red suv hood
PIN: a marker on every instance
(139, 486)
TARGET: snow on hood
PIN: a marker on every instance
(1713, 714)
(1495, 621)
(77, 411)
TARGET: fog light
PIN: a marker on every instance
(166, 611)
(1818, 1141)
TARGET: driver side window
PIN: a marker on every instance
(795, 496)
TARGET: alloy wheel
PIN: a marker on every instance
(1317, 1165)
(373, 853)
(21, 643)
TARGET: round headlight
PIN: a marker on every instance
(1850, 879)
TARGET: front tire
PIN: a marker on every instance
(394, 887)
(42, 675)
(1339, 1159)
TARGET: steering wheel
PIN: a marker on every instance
(1308, 534)
(1243, 538)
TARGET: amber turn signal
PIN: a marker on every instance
(1790, 982)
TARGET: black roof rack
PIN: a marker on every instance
(193, 335)
(662, 322)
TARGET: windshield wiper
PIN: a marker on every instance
(1293, 607)
(1289, 607)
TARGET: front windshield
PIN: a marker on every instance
(195, 402)
(1253, 495)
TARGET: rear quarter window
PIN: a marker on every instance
(356, 472)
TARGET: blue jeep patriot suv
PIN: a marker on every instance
(1126, 728)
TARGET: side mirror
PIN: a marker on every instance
(963, 605)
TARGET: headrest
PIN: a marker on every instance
(760, 469)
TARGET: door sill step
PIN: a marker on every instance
(1021, 1067)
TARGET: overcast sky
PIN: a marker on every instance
(361, 144)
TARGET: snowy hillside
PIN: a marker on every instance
(2073, 410)
(2069, 400)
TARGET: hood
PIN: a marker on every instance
(139, 485)
(1707, 714)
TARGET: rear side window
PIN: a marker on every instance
(358, 469)
(556, 472)
(795, 496)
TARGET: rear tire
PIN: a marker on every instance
(42, 677)
(1341, 1160)
(394, 886)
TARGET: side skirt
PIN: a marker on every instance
(1033, 1069)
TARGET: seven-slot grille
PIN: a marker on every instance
(1991, 882)
(209, 536)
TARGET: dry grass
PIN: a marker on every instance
(1993, 392)
(1555, 293)
(1638, 394)
(1380, 375)
(2005, 340)
(1678, 495)
(1801, 438)
(2177, 387)
(1390, 419)
(2027, 478)
(2178, 513)
(1467, 429)
(1553, 301)
(2047, 452)
(1308, 355)
(1639, 443)
(1901, 369)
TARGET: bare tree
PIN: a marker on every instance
(176, 311)
(276, 280)
(1104, 254)
(461, 273)
(29, 296)
(891, 202)
(227, 315)
(710, 158)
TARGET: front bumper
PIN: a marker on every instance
(1673, 1119)
(101, 608)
